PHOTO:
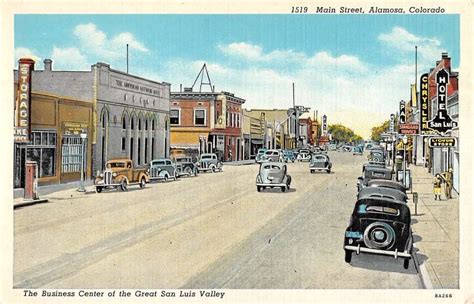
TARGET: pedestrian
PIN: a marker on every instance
(448, 182)
(437, 186)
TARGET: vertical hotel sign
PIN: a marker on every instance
(23, 101)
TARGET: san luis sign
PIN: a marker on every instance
(23, 101)
(442, 121)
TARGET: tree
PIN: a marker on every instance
(378, 130)
(342, 133)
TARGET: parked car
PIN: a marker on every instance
(379, 226)
(387, 184)
(120, 173)
(163, 169)
(186, 166)
(332, 147)
(358, 150)
(383, 192)
(377, 156)
(260, 153)
(345, 148)
(273, 155)
(373, 172)
(304, 155)
(289, 155)
(320, 162)
(372, 164)
(273, 174)
(209, 162)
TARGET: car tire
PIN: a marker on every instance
(142, 182)
(288, 186)
(348, 256)
(312, 171)
(188, 171)
(123, 185)
(98, 189)
(328, 171)
(406, 263)
(283, 189)
(259, 188)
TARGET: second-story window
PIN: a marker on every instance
(174, 117)
(200, 117)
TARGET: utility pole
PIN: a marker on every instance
(127, 58)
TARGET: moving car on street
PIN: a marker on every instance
(209, 162)
(119, 173)
(163, 169)
(320, 162)
(260, 153)
(304, 155)
(273, 174)
(379, 226)
(289, 155)
(273, 156)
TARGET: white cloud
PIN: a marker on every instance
(242, 49)
(69, 59)
(22, 52)
(404, 42)
(95, 42)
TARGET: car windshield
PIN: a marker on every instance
(206, 157)
(116, 165)
(159, 163)
(269, 166)
(182, 160)
(261, 151)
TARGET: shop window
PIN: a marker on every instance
(175, 117)
(200, 117)
(43, 152)
(71, 154)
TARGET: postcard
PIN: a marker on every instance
(215, 151)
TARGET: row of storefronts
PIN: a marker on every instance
(425, 104)
(68, 121)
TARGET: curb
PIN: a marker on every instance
(29, 203)
(422, 272)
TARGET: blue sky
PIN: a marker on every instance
(354, 68)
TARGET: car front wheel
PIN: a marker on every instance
(283, 189)
(348, 256)
(259, 188)
(123, 185)
(142, 182)
(98, 189)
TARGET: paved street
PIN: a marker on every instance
(212, 231)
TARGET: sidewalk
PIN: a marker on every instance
(43, 190)
(436, 231)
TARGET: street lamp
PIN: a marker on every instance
(405, 141)
(81, 184)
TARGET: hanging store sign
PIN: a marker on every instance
(23, 101)
(408, 129)
(74, 128)
(425, 106)
(442, 142)
(325, 125)
(392, 123)
(402, 114)
(442, 121)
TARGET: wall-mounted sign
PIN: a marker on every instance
(408, 128)
(402, 114)
(23, 101)
(442, 121)
(425, 106)
(442, 142)
(74, 128)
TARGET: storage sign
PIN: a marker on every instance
(23, 101)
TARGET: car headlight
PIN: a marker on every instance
(101, 175)
(114, 174)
